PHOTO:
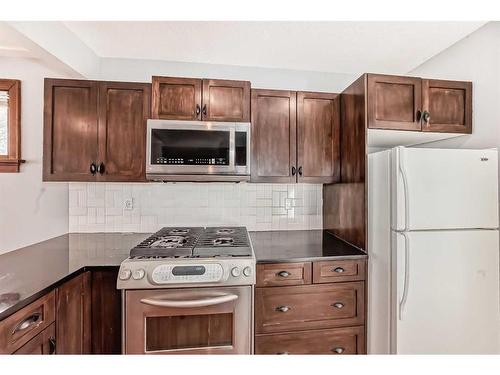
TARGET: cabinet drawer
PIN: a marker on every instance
(338, 271)
(22, 326)
(309, 307)
(283, 274)
(350, 340)
(43, 343)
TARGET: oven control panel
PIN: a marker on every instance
(187, 273)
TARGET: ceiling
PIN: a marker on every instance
(340, 47)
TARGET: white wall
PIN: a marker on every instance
(284, 79)
(30, 210)
(477, 59)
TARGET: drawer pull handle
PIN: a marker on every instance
(338, 305)
(338, 270)
(27, 323)
(283, 308)
(282, 353)
(283, 274)
(338, 350)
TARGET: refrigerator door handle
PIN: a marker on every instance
(406, 279)
(404, 177)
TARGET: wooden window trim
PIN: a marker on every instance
(10, 162)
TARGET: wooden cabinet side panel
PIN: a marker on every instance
(106, 313)
(274, 128)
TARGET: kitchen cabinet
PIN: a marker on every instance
(95, 131)
(299, 314)
(73, 316)
(274, 136)
(413, 103)
(318, 137)
(43, 343)
(447, 106)
(176, 98)
(28, 324)
(295, 137)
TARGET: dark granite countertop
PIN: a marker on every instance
(301, 246)
(29, 272)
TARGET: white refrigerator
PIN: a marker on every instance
(433, 246)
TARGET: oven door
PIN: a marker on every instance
(189, 321)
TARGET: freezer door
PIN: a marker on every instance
(444, 189)
(446, 298)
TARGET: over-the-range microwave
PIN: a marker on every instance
(197, 150)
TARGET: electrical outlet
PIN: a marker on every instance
(128, 204)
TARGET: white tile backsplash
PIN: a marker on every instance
(99, 207)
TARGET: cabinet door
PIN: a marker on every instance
(43, 343)
(318, 137)
(123, 112)
(73, 316)
(449, 105)
(176, 98)
(225, 100)
(394, 102)
(106, 313)
(70, 130)
(274, 130)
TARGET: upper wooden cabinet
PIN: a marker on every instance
(447, 106)
(95, 131)
(394, 102)
(318, 135)
(200, 99)
(412, 103)
(295, 137)
(274, 136)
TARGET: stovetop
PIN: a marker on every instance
(195, 242)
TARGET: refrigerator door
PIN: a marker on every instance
(444, 189)
(446, 292)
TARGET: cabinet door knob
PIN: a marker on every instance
(204, 110)
(52, 345)
(283, 274)
(283, 308)
(338, 270)
(101, 168)
(426, 116)
(338, 350)
(300, 170)
(338, 305)
(294, 171)
(198, 110)
(93, 168)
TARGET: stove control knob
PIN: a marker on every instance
(125, 274)
(138, 274)
(235, 272)
(247, 271)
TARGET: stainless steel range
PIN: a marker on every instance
(189, 290)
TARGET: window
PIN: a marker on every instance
(10, 125)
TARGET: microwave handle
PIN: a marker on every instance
(188, 303)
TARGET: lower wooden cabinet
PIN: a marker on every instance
(349, 340)
(43, 343)
(322, 314)
(73, 314)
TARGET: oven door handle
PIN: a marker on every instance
(188, 303)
